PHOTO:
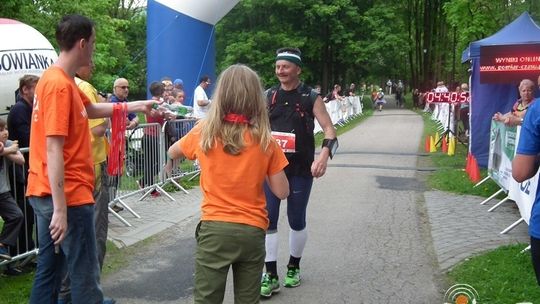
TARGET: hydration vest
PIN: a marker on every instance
(292, 112)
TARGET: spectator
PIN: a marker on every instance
(399, 94)
(150, 139)
(167, 89)
(99, 143)
(9, 211)
(515, 117)
(441, 88)
(101, 179)
(464, 110)
(352, 90)
(201, 103)
(61, 177)
(19, 121)
(336, 93)
(416, 98)
(179, 96)
(389, 85)
(178, 84)
(233, 141)
(318, 89)
(120, 94)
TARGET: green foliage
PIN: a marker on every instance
(342, 41)
(500, 276)
(120, 35)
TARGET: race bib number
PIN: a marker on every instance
(286, 141)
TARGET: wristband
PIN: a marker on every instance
(331, 144)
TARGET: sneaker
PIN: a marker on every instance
(269, 285)
(293, 277)
(4, 254)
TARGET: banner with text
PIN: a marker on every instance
(509, 63)
(524, 193)
(502, 149)
(502, 146)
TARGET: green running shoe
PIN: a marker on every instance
(269, 285)
(293, 277)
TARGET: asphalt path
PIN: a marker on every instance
(369, 238)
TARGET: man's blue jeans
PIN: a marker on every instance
(77, 253)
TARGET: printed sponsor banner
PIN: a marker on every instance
(502, 149)
(524, 193)
(502, 146)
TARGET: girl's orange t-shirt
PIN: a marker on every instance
(232, 185)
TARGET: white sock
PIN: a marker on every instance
(297, 242)
(271, 247)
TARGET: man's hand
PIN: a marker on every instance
(58, 226)
(146, 106)
(318, 167)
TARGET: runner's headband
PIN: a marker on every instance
(290, 57)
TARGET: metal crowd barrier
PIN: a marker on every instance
(341, 111)
(26, 247)
(146, 169)
(176, 169)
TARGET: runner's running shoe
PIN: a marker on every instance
(293, 277)
(269, 285)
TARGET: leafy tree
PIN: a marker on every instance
(120, 34)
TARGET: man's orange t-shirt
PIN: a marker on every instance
(232, 185)
(59, 109)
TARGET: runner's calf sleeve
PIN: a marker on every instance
(271, 247)
(297, 242)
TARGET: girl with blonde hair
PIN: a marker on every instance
(236, 153)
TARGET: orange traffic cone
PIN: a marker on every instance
(444, 145)
(474, 171)
(427, 145)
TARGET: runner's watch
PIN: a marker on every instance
(331, 144)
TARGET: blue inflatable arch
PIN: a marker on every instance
(180, 40)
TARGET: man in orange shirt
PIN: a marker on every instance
(61, 176)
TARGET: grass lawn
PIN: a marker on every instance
(15, 290)
(500, 276)
(503, 275)
(450, 175)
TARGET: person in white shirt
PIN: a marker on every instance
(441, 88)
(201, 102)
